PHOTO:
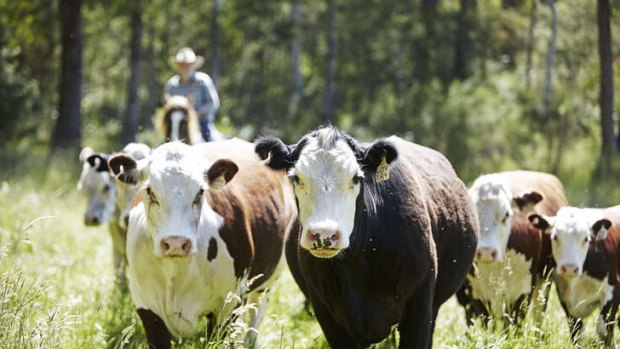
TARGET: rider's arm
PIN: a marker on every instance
(210, 99)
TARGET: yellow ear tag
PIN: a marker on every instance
(218, 183)
(383, 173)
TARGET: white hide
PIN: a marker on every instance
(583, 294)
(179, 290)
(325, 189)
(100, 193)
(571, 235)
(501, 283)
(493, 201)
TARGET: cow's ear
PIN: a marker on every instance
(85, 153)
(378, 157)
(220, 173)
(527, 200)
(127, 170)
(276, 154)
(99, 162)
(541, 222)
(600, 228)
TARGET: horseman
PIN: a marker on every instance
(197, 87)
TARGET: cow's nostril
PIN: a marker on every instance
(186, 246)
(164, 246)
(494, 254)
(95, 220)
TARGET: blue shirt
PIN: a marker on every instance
(201, 88)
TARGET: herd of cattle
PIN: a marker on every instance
(375, 235)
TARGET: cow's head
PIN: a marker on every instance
(125, 192)
(572, 230)
(496, 206)
(328, 169)
(96, 181)
(175, 180)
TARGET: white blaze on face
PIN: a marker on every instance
(326, 179)
(570, 238)
(493, 201)
(176, 117)
(174, 196)
(100, 193)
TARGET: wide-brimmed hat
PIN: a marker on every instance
(186, 55)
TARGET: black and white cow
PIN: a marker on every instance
(109, 201)
(586, 250)
(388, 234)
(210, 216)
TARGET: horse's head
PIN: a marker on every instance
(180, 121)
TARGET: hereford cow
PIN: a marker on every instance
(388, 234)
(193, 238)
(109, 201)
(585, 248)
(513, 258)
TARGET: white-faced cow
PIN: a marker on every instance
(210, 216)
(513, 258)
(585, 248)
(388, 234)
(107, 200)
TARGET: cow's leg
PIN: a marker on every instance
(337, 336)
(518, 310)
(605, 324)
(157, 334)
(417, 321)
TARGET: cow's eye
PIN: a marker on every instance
(505, 217)
(356, 179)
(294, 179)
(106, 188)
(586, 240)
(151, 195)
(555, 238)
(199, 196)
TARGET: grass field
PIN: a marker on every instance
(57, 287)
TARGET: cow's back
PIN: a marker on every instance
(452, 215)
(548, 184)
(258, 208)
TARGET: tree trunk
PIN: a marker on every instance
(430, 5)
(68, 126)
(550, 57)
(327, 109)
(151, 78)
(464, 45)
(132, 114)
(296, 47)
(530, 43)
(607, 76)
(215, 70)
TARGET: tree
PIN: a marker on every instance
(606, 96)
(550, 57)
(68, 126)
(215, 70)
(132, 114)
(464, 45)
(327, 108)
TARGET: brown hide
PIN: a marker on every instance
(193, 127)
(258, 208)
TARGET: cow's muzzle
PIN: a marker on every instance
(175, 246)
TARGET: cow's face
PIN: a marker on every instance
(328, 170)
(125, 192)
(572, 231)
(175, 181)
(96, 182)
(496, 207)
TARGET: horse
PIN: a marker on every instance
(180, 121)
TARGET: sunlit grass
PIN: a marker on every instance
(57, 288)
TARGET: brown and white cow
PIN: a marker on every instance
(388, 234)
(109, 201)
(513, 258)
(210, 216)
(586, 249)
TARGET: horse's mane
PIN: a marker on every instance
(193, 127)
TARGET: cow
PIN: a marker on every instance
(586, 245)
(209, 217)
(513, 258)
(180, 121)
(388, 233)
(107, 200)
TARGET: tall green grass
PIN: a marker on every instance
(57, 286)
